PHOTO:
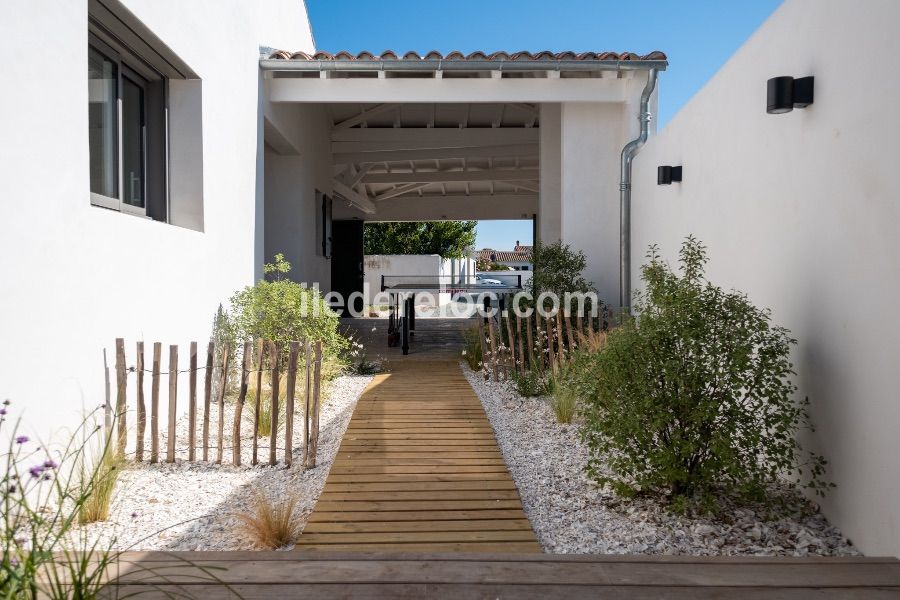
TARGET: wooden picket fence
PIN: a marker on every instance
(516, 344)
(263, 356)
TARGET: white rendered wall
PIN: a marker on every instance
(426, 266)
(291, 214)
(592, 140)
(801, 211)
(75, 276)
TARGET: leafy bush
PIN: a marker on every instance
(530, 384)
(284, 311)
(694, 397)
(559, 269)
(472, 347)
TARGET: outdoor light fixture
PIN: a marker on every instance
(786, 93)
(665, 175)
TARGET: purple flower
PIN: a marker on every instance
(134, 515)
(36, 471)
(49, 464)
(2, 411)
(46, 476)
(21, 439)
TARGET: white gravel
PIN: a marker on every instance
(191, 506)
(570, 513)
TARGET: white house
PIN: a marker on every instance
(155, 153)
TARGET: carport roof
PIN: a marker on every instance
(478, 60)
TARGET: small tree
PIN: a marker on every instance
(283, 311)
(449, 239)
(694, 396)
(558, 269)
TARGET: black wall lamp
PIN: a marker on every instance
(786, 93)
(665, 175)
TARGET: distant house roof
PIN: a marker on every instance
(505, 256)
(523, 249)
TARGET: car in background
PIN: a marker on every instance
(482, 280)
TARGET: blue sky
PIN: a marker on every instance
(697, 35)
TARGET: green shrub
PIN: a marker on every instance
(472, 347)
(559, 269)
(531, 384)
(283, 311)
(694, 396)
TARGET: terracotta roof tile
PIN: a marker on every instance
(477, 55)
(504, 256)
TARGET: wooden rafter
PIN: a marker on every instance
(364, 116)
(399, 191)
(450, 176)
(361, 202)
(497, 151)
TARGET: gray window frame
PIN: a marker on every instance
(138, 73)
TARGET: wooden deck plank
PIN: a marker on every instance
(387, 571)
(419, 469)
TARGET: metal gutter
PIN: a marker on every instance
(628, 153)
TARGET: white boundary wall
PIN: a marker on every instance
(801, 211)
(75, 276)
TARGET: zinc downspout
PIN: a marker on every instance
(628, 153)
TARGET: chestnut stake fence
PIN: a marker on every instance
(514, 344)
(295, 363)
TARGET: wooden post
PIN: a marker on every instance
(107, 407)
(521, 345)
(484, 368)
(192, 405)
(223, 382)
(260, 356)
(493, 341)
(551, 353)
(307, 396)
(512, 347)
(273, 434)
(173, 402)
(154, 403)
(207, 397)
(239, 407)
(560, 340)
(141, 407)
(570, 335)
(317, 385)
(530, 340)
(121, 383)
(289, 403)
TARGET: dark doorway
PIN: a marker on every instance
(347, 260)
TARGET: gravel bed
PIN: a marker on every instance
(191, 506)
(570, 513)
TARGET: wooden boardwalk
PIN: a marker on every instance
(419, 470)
(325, 575)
